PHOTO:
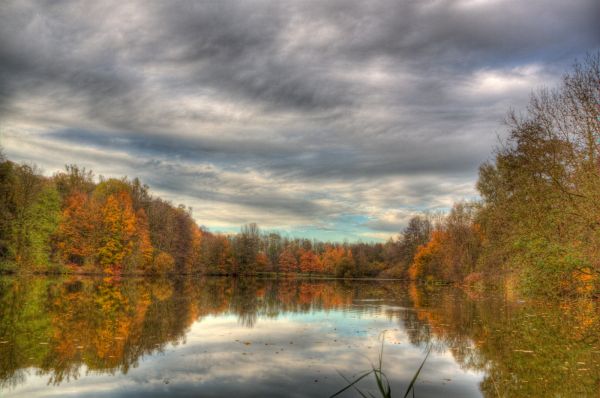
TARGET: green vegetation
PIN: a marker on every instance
(381, 380)
(536, 228)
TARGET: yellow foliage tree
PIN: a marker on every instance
(118, 226)
(144, 248)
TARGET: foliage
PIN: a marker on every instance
(163, 263)
(118, 227)
(541, 194)
(537, 222)
(44, 214)
(111, 227)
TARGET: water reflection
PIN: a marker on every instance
(260, 337)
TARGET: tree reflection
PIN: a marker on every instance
(61, 328)
(525, 348)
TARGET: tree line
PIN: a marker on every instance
(536, 227)
(70, 222)
(74, 222)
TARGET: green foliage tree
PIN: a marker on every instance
(7, 207)
(541, 194)
(44, 216)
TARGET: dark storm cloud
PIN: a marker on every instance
(284, 160)
(237, 48)
(297, 112)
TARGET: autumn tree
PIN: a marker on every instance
(416, 233)
(309, 262)
(247, 248)
(185, 239)
(74, 179)
(331, 257)
(143, 252)
(173, 231)
(193, 258)
(273, 247)
(117, 232)
(345, 268)
(216, 255)
(428, 260)
(163, 264)
(287, 261)
(399, 255)
(262, 262)
(78, 230)
(541, 193)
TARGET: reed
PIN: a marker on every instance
(381, 380)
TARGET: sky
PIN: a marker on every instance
(336, 120)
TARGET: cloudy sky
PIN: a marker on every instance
(328, 119)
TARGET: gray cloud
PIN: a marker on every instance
(290, 114)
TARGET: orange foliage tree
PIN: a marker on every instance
(428, 257)
(331, 257)
(77, 232)
(143, 247)
(118, 228)
(287, 261)
(262, 261)
(309, 261)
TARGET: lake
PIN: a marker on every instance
(215, 337)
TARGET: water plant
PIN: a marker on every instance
(382, 381)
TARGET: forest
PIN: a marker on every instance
(535, 229)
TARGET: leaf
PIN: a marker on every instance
(414, 379)
(351, 383)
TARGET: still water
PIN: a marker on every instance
(216, 337)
